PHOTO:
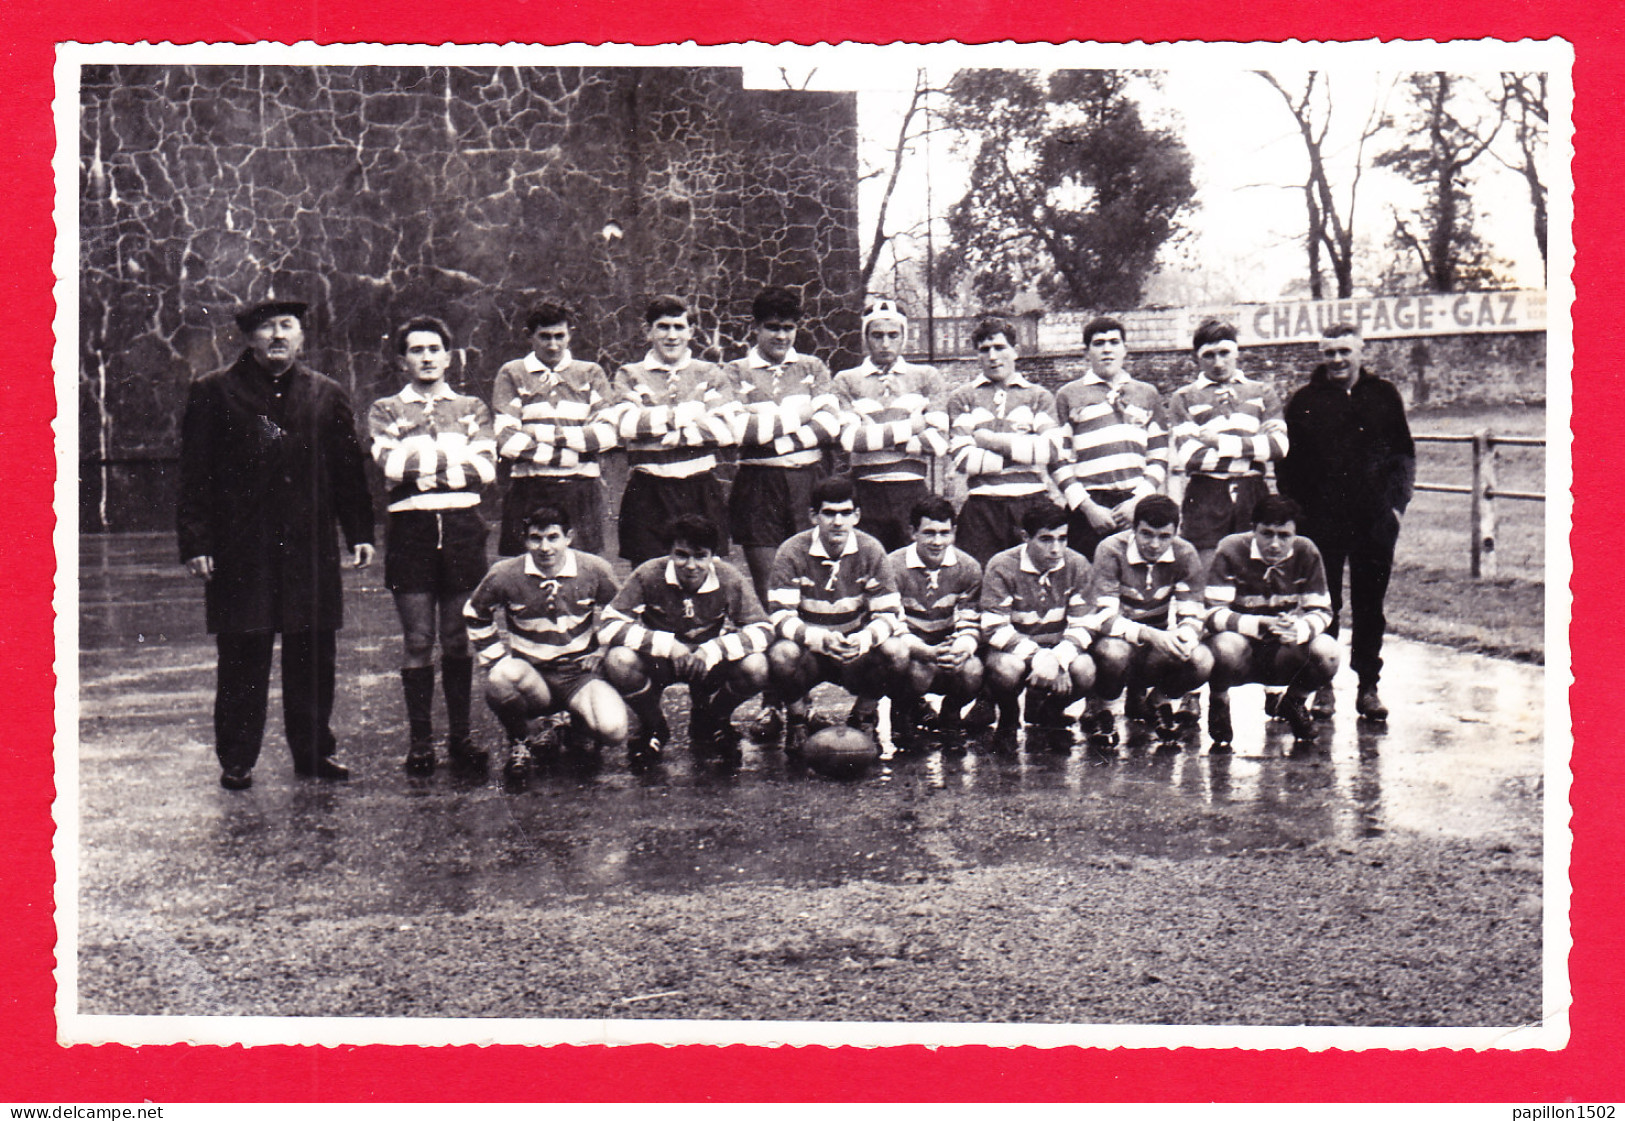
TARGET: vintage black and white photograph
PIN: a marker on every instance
(1049, 544)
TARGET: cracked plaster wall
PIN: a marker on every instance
(377, 193)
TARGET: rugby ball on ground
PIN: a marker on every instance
(841, 752)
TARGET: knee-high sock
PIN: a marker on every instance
(457, 682)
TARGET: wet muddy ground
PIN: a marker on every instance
(1386, 877)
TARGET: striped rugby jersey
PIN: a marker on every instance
(1132, 594)
(1003, 436)
(1117, 437)
(436, 451)
(940, 604)
(891, 421)
(851, 594)
(551, 621)
(1243, 590)
(547, 421)
(790, 410)
(1245, 416)
(721, 621)
(673, 418)
(1025, 610)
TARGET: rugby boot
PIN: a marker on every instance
(420, 758)
(1045, 711)
(1369, 705)
(516, 773)
(464, 756)
(1292, 710)
(864, 715)
(1167, 727)
(1189, 713)
(795, 731)
(237, 778)
(982, 714)
(769, 723)
(1218, 720)
(1325, 704)
(1100, 726)
(908, 724)
(642, 752)
(1272, 703)
(1003, 741)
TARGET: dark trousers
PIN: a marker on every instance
(244, 683)
(1370, 565)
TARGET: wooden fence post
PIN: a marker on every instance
(1483, 511)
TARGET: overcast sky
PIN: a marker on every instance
(1248, 225)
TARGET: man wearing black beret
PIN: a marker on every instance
(270, 464)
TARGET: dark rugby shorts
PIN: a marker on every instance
(883, 509)
(435, 552)
(582, 499)
(1081, 537)
(1214, 508)
(990, 524)
(650, 504)
(769, 505)
(564, 679)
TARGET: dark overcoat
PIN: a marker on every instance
(1350, 461)
(269, 469)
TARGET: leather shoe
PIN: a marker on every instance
(236, 778)
(1369, 705)
(326, 768)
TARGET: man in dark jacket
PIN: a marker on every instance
(1351, 467)
(270, 461)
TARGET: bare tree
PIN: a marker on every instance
(1445, 138)
(1331, 228)
(914, 127)
(1523, 100)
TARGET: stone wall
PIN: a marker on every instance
(376, 193)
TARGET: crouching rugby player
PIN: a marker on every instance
(1150, 618)
(834, 606)
(686, 617)
(941, 588)
(551, 597)
(1268, 609)
(1035, 618)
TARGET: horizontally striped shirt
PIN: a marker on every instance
(548, 421)
(1244, 590)
(720, 621)
(1133, 595)
(891, 421)
(1003, 435)
(673, 418)
(552, 621)
(1244, 415)
(941, 604)
(790, 410)
(851, 594)
(1117, 437)
(436, 451)
(1025, 610)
